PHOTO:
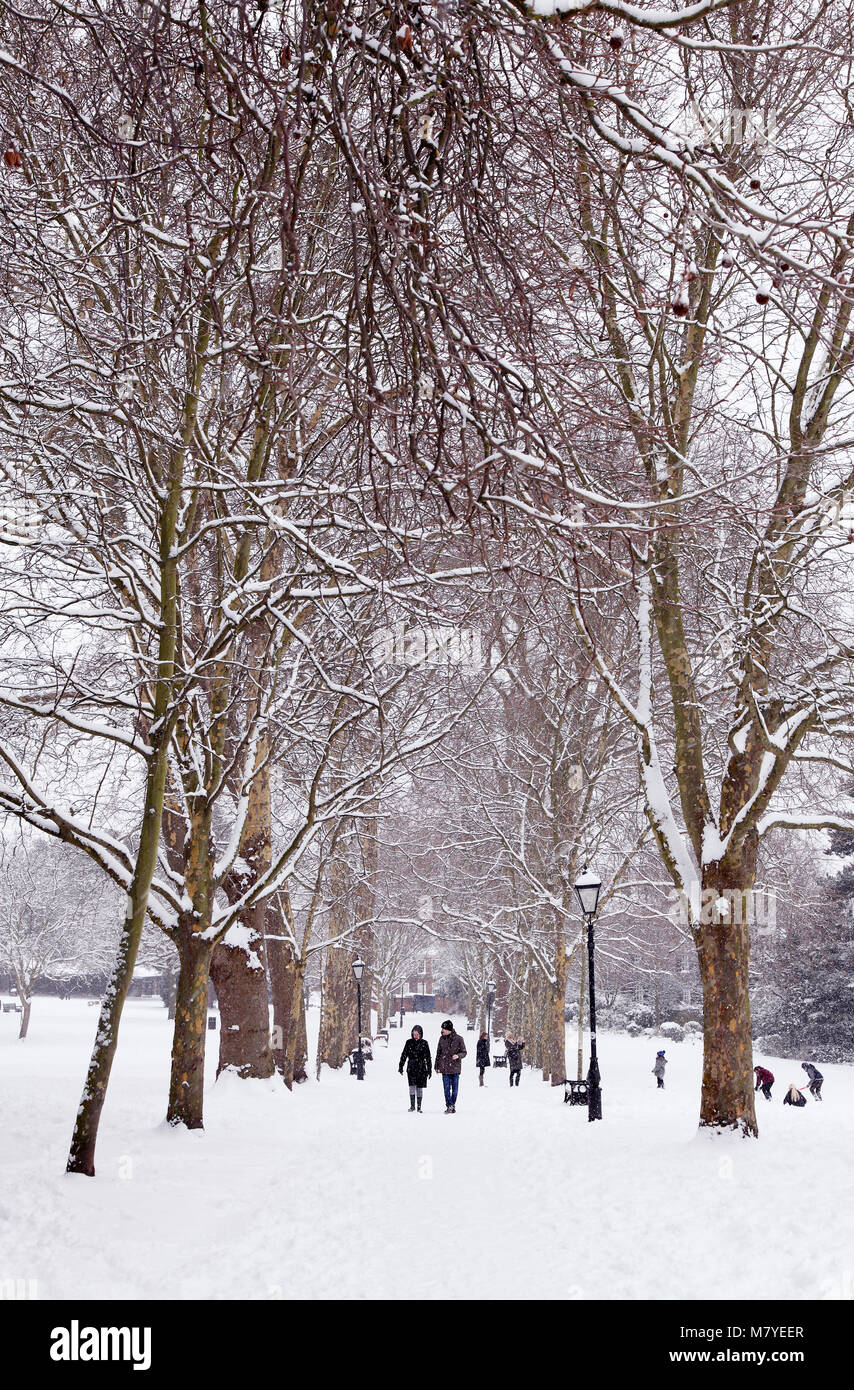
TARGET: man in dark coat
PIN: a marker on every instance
(483, 1054)
(765, 1079)
(815, 1077)
(450, 1051)
(416, 1058)
(513, 1047)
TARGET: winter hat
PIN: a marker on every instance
(660, 1054)
(449, 1025)
(804, 1065)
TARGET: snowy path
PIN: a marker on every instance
(337, 1191)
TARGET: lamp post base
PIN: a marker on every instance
(594, 1091)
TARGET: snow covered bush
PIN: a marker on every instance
(674, 1031)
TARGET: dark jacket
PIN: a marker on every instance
(812, 1072)
(794, 1097)
(514, 1055)
(483, 1052)
(764, 1077)
(416, 1057)
(445, 1049)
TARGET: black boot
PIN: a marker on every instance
(418, 1105)
(412, 1102)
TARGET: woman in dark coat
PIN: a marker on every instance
(793, 1096)
(419, 1068)
(483, 1054)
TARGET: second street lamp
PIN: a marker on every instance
(587, 887)
(490, 999)
(358, 967)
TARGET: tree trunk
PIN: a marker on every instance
(296, 1054)
(187, 1081)
(338, 1030)
(296, 1049)
(723, 948)
(169, 991)
(556, 1008)
(241, 989)
(26, 1005)
(81, 1156)
(499, 1008)
(239, 972)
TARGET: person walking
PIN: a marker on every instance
(658, 1069)
(765, 1080)
(416, 1058)
(815, 1077)
(513, 1047)
(450, 1051)
(793, 1096)
(483, 1054)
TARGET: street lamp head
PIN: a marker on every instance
(491, 987)
(587, 887)
(358, 967)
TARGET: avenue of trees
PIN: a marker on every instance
(425, 467)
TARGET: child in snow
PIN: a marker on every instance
(793, 1096)
(815, 1077)
(658, 1069)
(765, 1079)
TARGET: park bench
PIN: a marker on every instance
(12, 1009)
(575, 1092)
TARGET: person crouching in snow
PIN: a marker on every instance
(658, 1069)
(815, 1077)
(793, 1096)
(765, 1079)
(419, 1069)
(450, 1051)
(483, 1054)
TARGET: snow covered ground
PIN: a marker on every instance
(337, 1191)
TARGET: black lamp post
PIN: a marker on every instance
(358, 967)
(587, 887)
(490, 999)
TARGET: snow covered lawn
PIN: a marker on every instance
(337, 1191)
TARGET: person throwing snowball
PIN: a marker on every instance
(816, 1079)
